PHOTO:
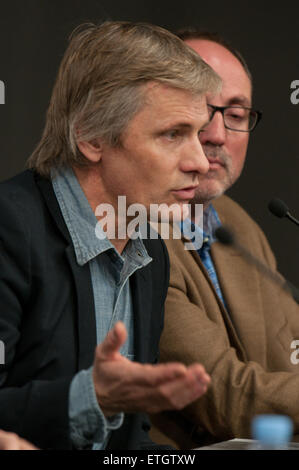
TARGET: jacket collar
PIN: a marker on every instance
(81, 274)
(85, 315)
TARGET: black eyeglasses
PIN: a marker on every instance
(237, 118)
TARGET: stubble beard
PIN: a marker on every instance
(214, 183)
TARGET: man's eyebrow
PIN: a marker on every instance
(183, 125)
(177, 124)
(240, 100)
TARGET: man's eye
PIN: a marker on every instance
(238, 115)
(172, 134)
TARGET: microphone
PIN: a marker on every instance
(280, 209)
(226, 237)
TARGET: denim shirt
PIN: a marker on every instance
(110, 273)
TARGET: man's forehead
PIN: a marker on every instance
(230, 97)
(160, 95)
(164, 107)
(236, 82)
(215, 53)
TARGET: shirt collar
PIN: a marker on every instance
(211, 222)
(81, 221)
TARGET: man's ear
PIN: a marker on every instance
(91, 150)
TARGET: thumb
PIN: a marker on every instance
(114, 340)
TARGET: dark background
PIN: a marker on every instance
(33, 37)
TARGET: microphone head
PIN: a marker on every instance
(224, 235)
(278, 207)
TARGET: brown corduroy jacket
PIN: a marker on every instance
(246, 349)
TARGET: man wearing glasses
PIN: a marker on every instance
(219, 310)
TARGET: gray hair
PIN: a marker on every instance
(101, 82)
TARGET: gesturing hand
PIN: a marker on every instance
(125, 386)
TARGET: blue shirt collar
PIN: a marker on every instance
(211, 222)
(81, 221)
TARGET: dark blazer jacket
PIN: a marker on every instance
(47, 318)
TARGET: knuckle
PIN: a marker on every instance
(198, 369)
(191, 381)
(162, 392)
(168, 398)
(174, 402)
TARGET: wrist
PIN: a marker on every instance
(99, 395)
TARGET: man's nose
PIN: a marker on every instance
(196, 161)
(215, 132)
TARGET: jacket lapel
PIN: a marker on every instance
(85, 313)
(231, 330)
(242, 296)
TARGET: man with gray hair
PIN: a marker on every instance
(124, 119)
